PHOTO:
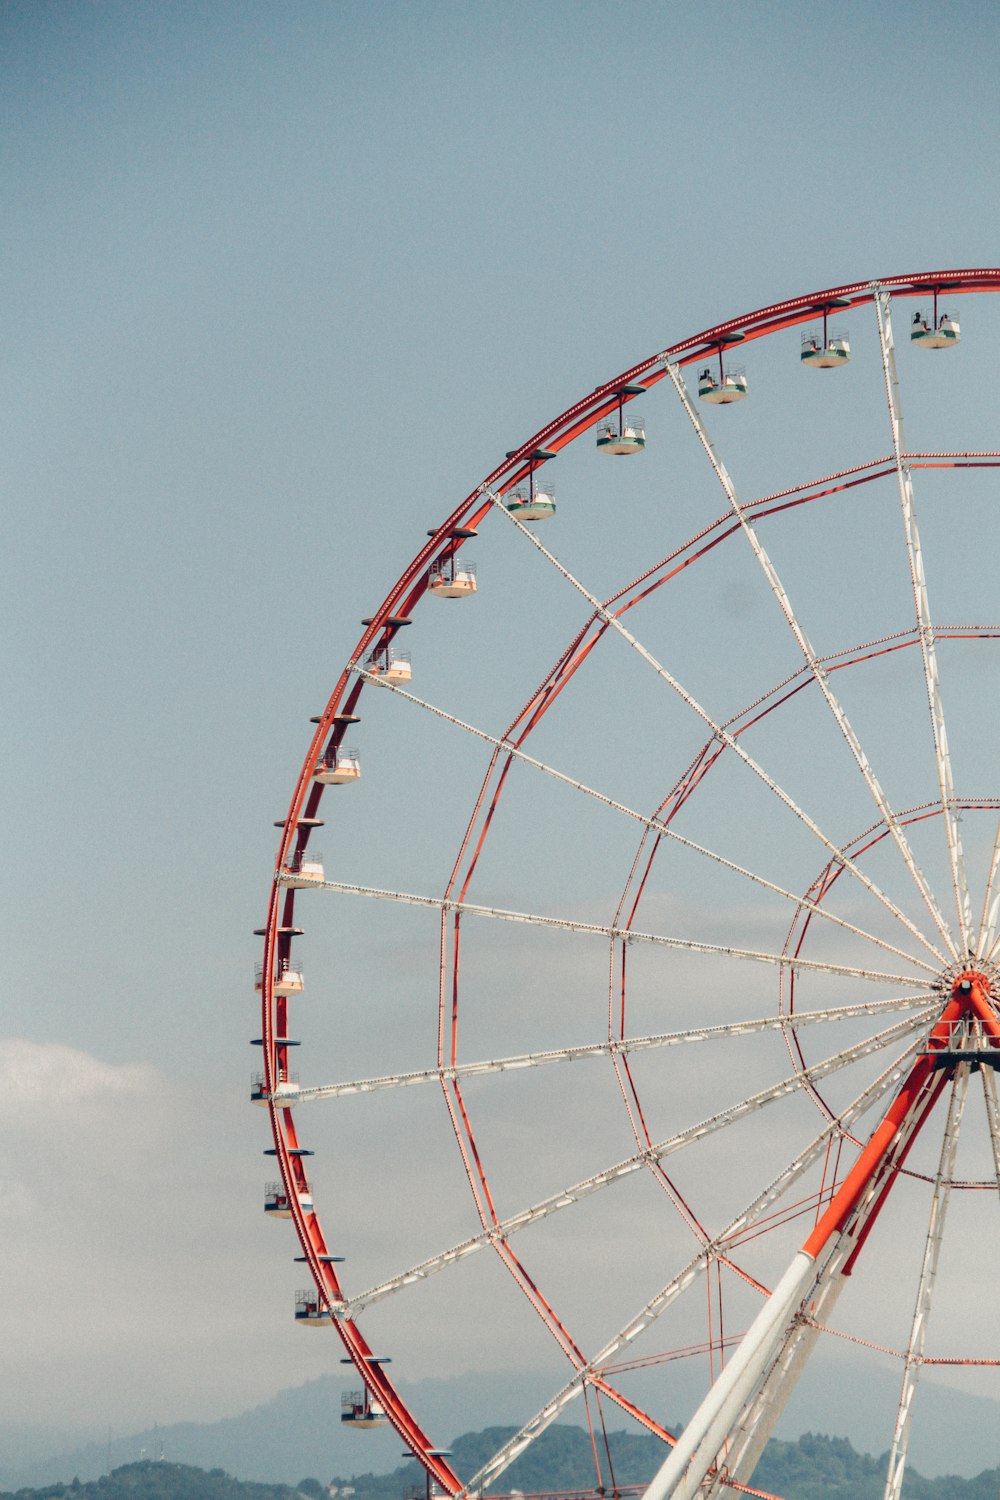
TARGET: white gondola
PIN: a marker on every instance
(529, 505)
(302, 870)
(826, 349)
(627, 435)
(277, 1204)
(391, 665)
(828, 353)
(310, 1311)
(338, 767)
(721, 392)
(286, 1090)
(361, 1411)
(539, 501)
(289, 979)
(944, 333)
(448, 578)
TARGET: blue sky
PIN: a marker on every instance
(282, 285)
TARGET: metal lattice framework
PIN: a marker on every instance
(866, 911)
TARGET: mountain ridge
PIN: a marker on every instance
(298, 1431)
(814, 1467)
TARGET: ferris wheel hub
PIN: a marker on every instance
(970, 983)
(969, 1029)
(974, 981)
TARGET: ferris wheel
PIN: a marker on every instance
(647, 994)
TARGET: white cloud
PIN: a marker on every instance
(43, 1078)
(126, 1201)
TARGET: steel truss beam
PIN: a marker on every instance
(587, 1374)
(815, 665)
(727, 1441)
(654, 825)
(992, 1116)
(499, 1232)
(928, 650)
(991, 906)
(761, 1412)
(725, 1436)
(723, 735)
(616, 1047)
(925, 1286)
(624, 934)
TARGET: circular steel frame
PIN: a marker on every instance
(280, 931)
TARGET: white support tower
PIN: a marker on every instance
(925, 1287)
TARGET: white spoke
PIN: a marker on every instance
(815, 665)
(653, 824)
(991, 905)
(624, 934)
(991, 955)
(616, 1048)
(720, 732)
(989, 1078)
(501, 1231)
(686, 1277)
(928, 649)
(925, 1285)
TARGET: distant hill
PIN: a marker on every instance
(160, 1481)
(298, 1432)
(825, 1468)
(813, 1468)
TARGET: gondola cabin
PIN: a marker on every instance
(277, 1204)
(448, 578)
(826, 348)
(825, 354)
(305, 868)
(390, 665)
(289, 979)
(620, 434)
(729, 384)
(531, 506)
(338, 767)
(628, 436)
(724, 389)
(361, 1411)
(286, 1089)
(940, 333)
(310, 1312)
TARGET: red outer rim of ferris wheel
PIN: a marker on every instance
(382, 628)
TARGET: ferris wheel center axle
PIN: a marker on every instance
(973, 991)
(969, 1028)
(969, 979)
